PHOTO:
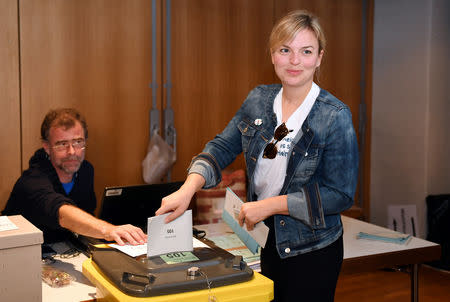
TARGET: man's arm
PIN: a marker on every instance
(81, 222)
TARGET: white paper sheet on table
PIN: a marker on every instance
(141, 249)
(6, 224)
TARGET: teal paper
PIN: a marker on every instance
(402, 239)
(248, 240)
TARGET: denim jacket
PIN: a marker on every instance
(322, 169)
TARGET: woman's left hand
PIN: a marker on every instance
(253, 212)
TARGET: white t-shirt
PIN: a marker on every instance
(270, 173)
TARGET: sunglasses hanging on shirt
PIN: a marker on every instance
(271, 150)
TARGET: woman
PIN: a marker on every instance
(301, 156)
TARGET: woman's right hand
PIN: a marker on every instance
(178, 201)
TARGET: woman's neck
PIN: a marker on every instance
(292, 98)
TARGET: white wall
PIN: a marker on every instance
(410, 156)
(439, 107)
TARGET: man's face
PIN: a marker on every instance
(66, 149)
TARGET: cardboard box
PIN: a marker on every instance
(20, 262)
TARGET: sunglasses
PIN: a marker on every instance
(270, 151)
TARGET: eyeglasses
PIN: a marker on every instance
(270, 151)
(77, 144)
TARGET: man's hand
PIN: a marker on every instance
(126, 233)
(81, 222)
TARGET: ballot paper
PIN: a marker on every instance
(175, 236)
(252, 239)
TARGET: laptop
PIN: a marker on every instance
(127, 205)
(134, 204)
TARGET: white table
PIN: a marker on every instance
(359, 256)
(366, 255)
(79, 290)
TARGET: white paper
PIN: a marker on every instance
(175, 236)
(198, 243)
(6, 224)
(233, 206)
(131, 250)
(141, 249)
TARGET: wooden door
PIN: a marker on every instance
(9, 100)
(219, 53)
(93, 55)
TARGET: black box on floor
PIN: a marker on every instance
(438, 217)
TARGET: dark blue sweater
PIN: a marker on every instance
(38, 194)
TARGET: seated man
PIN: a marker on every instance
(56, 193)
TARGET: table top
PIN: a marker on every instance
(79, 290)
(359, 255)
(364, 255)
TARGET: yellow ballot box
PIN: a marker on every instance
(257, 289)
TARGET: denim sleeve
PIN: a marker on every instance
(333, 184)
(339, 166)
(203, 168)
(298, 207)
(225, 147)
(217, 154)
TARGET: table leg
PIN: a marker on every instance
(414, 282)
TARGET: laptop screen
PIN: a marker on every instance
(134, 204)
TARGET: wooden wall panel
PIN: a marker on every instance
(93, 55)
(9, 100)
(219, 53)
(341, 21)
